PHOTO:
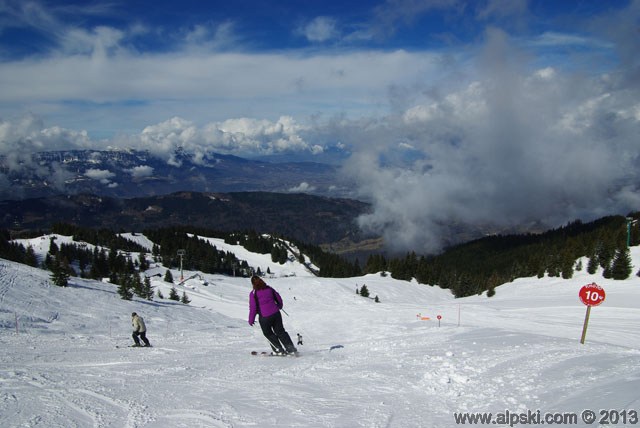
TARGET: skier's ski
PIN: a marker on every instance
(133, 346)
(271, 354)
(296, 354)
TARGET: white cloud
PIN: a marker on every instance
(320, 29)
(303, 187)
(21, 137)
(97, 42)
(511, 148)
(241, 136)
(141, 171)
(102, 175)
(246, 135)
(553, 39)
(205, 86)
(211, 37)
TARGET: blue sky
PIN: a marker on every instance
(440, 109)
(82, 64)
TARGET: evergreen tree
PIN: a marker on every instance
(173, 294)
(185, 299)
(124, 289)
(566, 261)
(279, 254)
(30, 257)
(375, 263)
(621, 267)
(364, 291)
(605, 255)
(59, 272)
(48, 262)
(99, 264)
(168, 277)
(137, 286)
(143, 263)
(592, 266)
(53, 247)
(554, 267)
(147, 289)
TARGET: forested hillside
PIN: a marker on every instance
(314, 219)
(483, 264)
(109, 253)
(466, 269)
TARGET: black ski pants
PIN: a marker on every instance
(274, 331)
(143, 336)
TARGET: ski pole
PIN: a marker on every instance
(285, 312)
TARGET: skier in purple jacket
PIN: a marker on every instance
(265, 302)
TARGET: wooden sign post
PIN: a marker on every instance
(591, 295)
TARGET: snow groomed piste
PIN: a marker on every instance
(519, 350)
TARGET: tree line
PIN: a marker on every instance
(466, 269)
(483, 264)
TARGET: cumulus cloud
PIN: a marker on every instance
(303, 187)
(513, 147)
(22, 137)
(141, 171)
(102, 175)
(241, 136)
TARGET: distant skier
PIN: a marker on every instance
(265, 302)
(299, 339)
(139, 330)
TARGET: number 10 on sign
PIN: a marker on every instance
(591, 295)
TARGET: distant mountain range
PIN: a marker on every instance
(130, 173)
(133, 190)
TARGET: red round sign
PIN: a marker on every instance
(439, 317)
(592, 294)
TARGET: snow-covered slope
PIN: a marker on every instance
(64, 363)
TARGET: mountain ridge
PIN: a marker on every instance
(134, 173)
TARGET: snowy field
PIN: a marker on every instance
(66, 362)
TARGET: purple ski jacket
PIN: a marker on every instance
(268, 306)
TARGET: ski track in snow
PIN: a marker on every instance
(69, 365)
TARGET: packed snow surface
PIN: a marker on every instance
(65, 360)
